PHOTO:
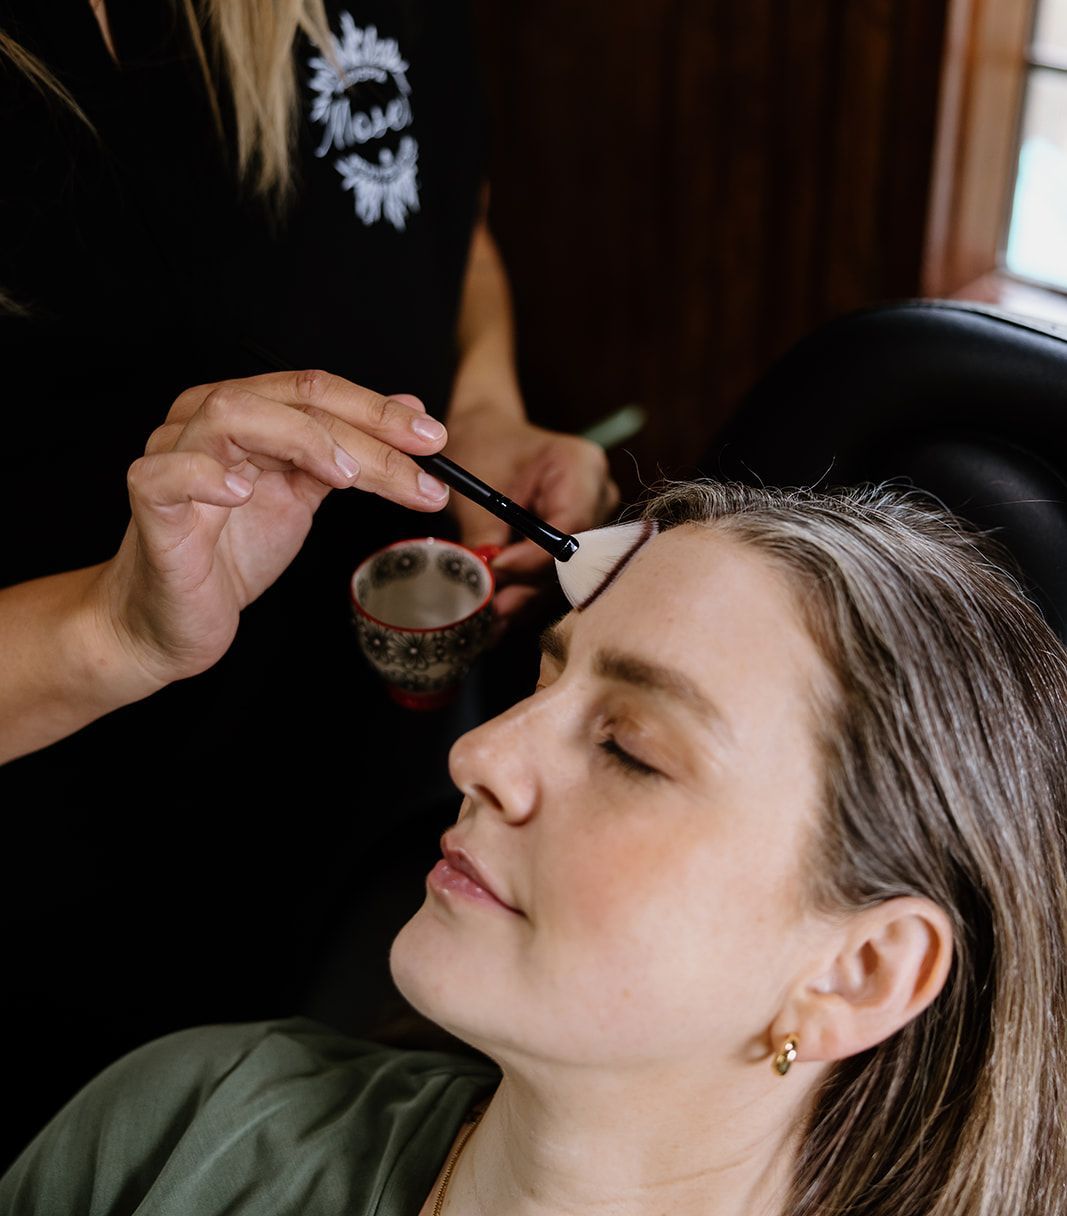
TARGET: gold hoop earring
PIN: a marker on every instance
(786, 1056)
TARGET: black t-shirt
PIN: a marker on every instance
(144, 268)
(147, 268)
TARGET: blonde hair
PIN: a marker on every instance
(254, 40)
(946, 777)
(248, 45)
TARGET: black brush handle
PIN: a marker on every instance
(559, 544)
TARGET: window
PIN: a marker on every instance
(1037, 235)
(997, 227)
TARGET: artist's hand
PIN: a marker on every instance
(562, 478)
(225, 494)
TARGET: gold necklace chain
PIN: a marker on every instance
(472, 1123)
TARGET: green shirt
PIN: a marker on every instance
(251, 1119)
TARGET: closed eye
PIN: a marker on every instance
(623, 758)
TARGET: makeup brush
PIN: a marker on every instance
(602, 552)
(586, 564)
(559, 544)
(602, 555)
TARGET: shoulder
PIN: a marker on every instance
(294, 1061)
(214, 1109)
(211, 1053)
(199, 1060)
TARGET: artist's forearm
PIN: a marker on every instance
(486, 377)
(61, 670)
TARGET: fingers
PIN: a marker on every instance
(608, 501)
(575, 490)
(163, 438)
(522, 560)
(512, 600)
(408, 399)
(164, 489)
(400, 420)
(233, 423)
(573, 497)
(477, 527)
(509, 606)
(174, 479)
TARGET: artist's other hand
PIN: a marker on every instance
(224, 496)
(562, 478)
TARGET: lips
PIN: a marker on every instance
(459, 859)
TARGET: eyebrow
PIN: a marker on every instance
(640, 673)
(554, 644)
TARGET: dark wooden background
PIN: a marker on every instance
(683, 188)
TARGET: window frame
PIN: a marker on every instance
(986, 65)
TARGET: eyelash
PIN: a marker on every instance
(623, 758)
(620, 756)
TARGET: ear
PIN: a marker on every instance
(892, 960)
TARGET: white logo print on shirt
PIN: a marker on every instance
(387, 186)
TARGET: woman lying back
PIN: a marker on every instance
(756, 907)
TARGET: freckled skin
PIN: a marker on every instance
(663, 913)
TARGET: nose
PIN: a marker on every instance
(496, 764)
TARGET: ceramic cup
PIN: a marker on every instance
(422, 609)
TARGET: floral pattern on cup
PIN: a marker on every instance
(404, 659)
(423, 611)
(394, 563)
(460, 569)
(463, 642)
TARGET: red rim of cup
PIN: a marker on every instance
(484, 553)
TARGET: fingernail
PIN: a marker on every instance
(426, 427)
(347, 464)
(431, 488)
(238, 484)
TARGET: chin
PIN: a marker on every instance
(430, 977)
(416, 967)
(402, 966)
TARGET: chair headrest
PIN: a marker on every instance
(964, 402)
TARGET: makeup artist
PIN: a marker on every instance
(197, 196)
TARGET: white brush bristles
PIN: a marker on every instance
(602, 554)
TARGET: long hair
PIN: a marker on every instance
(42, 79)
(244, 47)
(945, 751)
(253, 39)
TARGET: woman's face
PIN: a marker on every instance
(645, 812)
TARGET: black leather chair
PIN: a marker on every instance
(963, 401)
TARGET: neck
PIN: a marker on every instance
(571, 1141)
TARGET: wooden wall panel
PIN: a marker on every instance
(683, 188)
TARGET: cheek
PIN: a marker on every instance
(611, 881)
(623, 920)
(635, 879)
(679, 917)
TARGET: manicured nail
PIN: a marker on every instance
(347, 465)
(431, 488)
(238, 484)
(426, 427)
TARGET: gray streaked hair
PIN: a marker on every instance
(946, 777)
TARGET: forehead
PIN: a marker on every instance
(696, 599)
